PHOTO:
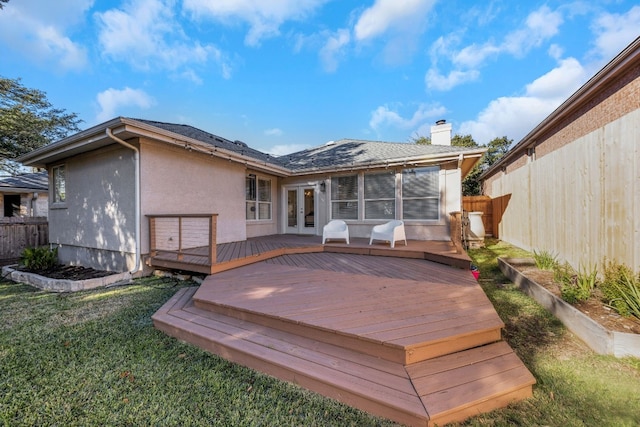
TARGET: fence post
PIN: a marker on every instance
(152, 237)
(456, 230)
(213, 231)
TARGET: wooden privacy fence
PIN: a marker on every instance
(482, 204)
(18, 233)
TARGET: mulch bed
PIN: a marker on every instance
(69, 272)
(594, 307)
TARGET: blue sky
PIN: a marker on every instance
(284, 75)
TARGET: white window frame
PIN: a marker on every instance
(254, 205)
(373, 198)
(334, 195)
(59, 198)
(434, 196)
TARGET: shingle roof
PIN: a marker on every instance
(33, 181)
(351, 152)
(238, 147)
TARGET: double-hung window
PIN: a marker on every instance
(421, 193)
(344, 197)
(258, 197)
(59, 184)
(380, 195)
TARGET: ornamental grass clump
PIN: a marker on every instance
(621, 289)
(40, 258)
(576, 286)
(545, 260)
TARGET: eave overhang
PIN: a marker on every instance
(128, 129)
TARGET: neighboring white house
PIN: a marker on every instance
(572, 185)
(25, 195)
(105, 180)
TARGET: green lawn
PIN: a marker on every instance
(94, 358)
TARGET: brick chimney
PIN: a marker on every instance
(441, 133)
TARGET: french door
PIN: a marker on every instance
(301, 210)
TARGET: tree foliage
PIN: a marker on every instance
(28, 121)
(3, 1)
(421, 139)
(496, 148)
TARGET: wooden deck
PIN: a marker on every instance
(411, 340)
(236, 254)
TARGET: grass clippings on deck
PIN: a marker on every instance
(94, 358)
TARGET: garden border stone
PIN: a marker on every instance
(596, 336)
(64, 285)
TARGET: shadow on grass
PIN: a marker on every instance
(575, 386)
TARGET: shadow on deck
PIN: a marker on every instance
(404, 338)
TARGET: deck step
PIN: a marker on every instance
(342, 309)
(435, 391)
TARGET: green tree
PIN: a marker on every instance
(420, 139)
(28, 121)
(496, 148)
(463, 141)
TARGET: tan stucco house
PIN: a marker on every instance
(24, 195)
(105, 181)
(572, 185)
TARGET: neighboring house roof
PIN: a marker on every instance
(25, 183)
(342, 155)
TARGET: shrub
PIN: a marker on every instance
(630, 295)
(545, 260)
(576, 287)
(616, 278)
(40, 258)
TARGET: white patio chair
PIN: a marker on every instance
(392, 232)
(335, 229)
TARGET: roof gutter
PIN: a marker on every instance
(150, 131)
(136, 157)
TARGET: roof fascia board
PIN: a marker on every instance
(152, 132)
(610, 72)
(80, 139)
(415, 161)
(22, 190)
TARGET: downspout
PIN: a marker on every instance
(136, 158)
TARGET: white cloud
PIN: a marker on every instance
(437, 81)
(113, 100)
(273, 132)
(515, 116)
(386, 117)
(39, 31)
(333, 49)
(391, 14)
(264, 17)
(540, 25)
(147, 35)
(615, 31)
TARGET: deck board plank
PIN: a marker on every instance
(403, 338)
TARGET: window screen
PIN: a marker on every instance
(421, 193)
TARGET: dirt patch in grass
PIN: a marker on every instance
(594, 307)
(69, 272)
